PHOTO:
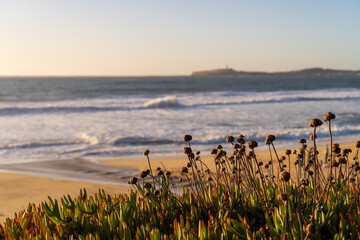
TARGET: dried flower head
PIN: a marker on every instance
(146, 152)
(252, 144)
(284, 176)
(147, 185)
(269, 139)
(188, 165)
(305, 181)
(214, 151)
(143, 174)
(184, 170)
(302, 141)
(133, 180)
(230, 139)
(236, 146)
(357, 145)
(160, 173)
(311, 138)
(288, 152)
(187, 138)
(187, 150)
(329, 116)
(315, 122)
(219, 146)
(156, 192)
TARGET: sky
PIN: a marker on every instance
(158, 37)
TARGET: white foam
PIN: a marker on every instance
(163, 102)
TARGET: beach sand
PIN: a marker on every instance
(17, 190)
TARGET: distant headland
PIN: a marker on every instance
(229, 72)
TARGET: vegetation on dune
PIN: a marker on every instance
(243, 198)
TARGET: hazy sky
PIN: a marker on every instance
(149, 37)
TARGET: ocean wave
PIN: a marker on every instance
(163, 102)
(37, 144)
(197, 100)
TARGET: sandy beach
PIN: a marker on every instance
(33, 182)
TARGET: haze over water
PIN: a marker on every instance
(63, 118)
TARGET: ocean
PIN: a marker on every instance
(51, 118)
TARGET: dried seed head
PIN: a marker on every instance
(187, 138)
(236, 146)
(156, 192)
(252, 144)
(188, 165)
(336, 148)
(241, 139)
(357, 145)
(209, 179)
(148, 185)
(342, 160)
(282, 158)
(269, 139)
(250, 154)
(315, 122)
(284, 176)
(266, 166)
(147, 194)
(304, 146)
(357, 168)
(260, 164)
(146, 152)
(214, 151)
(302, 141)
(352, 179)
(158, 168)
(147, 171)
(133, 180)
(168, 174)
(230, 139)
(329, 116)
(197, 153)
(143, 174)
(269, 162)
(295, 152)
(184, 170)
(160, 173)
(219, 146)
(305, 181)
(288, 152)
(311, 229)
(187, 150)
(310, 172)
(283, 196)
(312, 137)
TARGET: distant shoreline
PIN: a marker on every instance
(229, 72)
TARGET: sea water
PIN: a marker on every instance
(50, 118)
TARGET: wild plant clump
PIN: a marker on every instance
(290, 196)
